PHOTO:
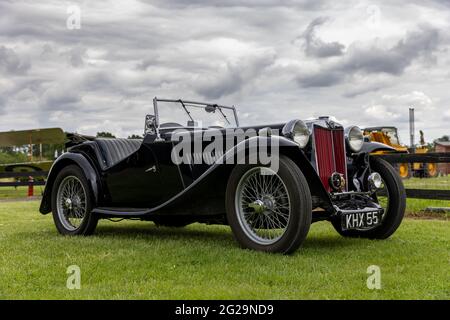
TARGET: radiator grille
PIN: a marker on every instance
(330, 153)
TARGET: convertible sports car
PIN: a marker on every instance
(323, 172)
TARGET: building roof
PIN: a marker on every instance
(443, 143)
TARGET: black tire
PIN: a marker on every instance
(393, 217)
(89, 222)
(300, 215)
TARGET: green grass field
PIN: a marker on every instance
(19, 192)
(438, 183)
(137, 260)
(415, 207)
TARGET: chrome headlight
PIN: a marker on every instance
(375, 181)
(297, 131)
(355, 138)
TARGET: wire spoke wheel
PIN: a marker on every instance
(71, 203)
(263, 205)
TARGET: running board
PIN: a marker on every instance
(123, 212)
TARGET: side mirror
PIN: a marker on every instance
(210, 108)
(150, 124)
(191, 123)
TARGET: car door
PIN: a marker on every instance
(146, 178)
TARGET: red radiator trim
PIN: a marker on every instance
(330, 153)
(339, 152)
(324, 155)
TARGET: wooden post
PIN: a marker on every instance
(31, 149)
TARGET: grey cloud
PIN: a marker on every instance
(149, 60)
(110, 82)
(427, 3)
(304, 4)
(26, 21)
(227, 83)
(396, 59)
(59, 97)
(99, 81)
(360, 90)
(234, 77)
(320, 79)
(240, 51)
(316, 47)
(11, 63)
(2, 105)
(76, 56)
(373, 60)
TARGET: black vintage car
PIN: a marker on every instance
(317, 170)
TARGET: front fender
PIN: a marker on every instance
(69, 158)
(369, 147)
(286, 147)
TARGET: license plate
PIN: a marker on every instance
(361, 220)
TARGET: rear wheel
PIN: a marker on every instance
(391, 197)
(267, 210)
(431, 170)
(404, 170)
(72, 203)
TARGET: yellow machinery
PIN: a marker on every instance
(389, 136)
(429, 169)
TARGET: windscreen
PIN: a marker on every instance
(202, 116)
(392, 134)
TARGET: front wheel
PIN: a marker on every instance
(267, 210)
(391, 197)
(72, 203)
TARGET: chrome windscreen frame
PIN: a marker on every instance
(184, 104)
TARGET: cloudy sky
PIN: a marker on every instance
(364, 62)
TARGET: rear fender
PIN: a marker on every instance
(63, 161)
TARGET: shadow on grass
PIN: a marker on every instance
(225, 236)
(330, 242)
(217, 236)
(152, 231)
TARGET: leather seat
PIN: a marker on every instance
(116, 150)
